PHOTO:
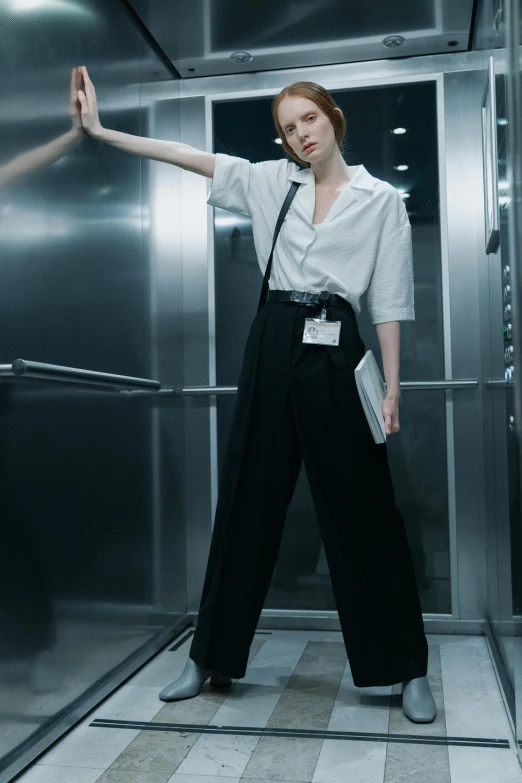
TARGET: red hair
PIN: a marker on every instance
(322, 99)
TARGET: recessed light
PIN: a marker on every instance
(393, 41)
(398, 131)
(278, 141)
(241, 57)
(401, 167)
(405, 195)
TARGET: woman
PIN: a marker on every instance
(345, 232)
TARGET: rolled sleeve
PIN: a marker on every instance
(236, 184)
(390, 294)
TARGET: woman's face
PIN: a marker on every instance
(303, 122)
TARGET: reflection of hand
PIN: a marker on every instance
(89, 108)
(75, 105)
(32, 160)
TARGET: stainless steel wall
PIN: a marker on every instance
(92, 538)
(513, 91)
(499, 35)
(501, 480)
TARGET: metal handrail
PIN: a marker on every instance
(203, 390)
(456, 383)
(23, 369)
(492, 383)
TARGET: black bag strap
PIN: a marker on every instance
(284, 209)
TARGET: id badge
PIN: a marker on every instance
(321, 332)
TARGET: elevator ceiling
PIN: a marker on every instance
(201, 36)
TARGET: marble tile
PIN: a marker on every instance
(479, 716)
(47, 774)
(426, 763)
(130, 702)
(284, 758)
(309, 697)
(181, 778)
(346, 760)
(258, 643)
(156, 751)
(484, 765)
(306, 703)
(473, 703)
(198, 710)
(447, 638)
(89, 747)
(360, 709)
(219, 755)
(116, 776)
(295, 679)
(183, 651)
(274, 664)
(247, 705)
(467, 669)
(159, 672)
(254, 698)
(307, 636)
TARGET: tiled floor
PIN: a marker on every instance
(297, 717)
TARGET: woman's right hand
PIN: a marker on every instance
(89, 111)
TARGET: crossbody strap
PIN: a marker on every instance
(284, 209)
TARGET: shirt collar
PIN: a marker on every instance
(361, 179)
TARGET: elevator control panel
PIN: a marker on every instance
(509, 368)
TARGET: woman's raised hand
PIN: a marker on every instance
(75, 106)
(89, 110)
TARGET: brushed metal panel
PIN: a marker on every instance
(197, 304)
(167, 584)
(514, 175)
(464, 225)
(199, 37)
(77, 470)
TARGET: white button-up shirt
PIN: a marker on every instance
(363, 244)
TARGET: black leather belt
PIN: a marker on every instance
(306, 298)
(324, 298)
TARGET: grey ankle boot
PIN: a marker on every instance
(418, 703)
(191, 682)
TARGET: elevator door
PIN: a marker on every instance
(417, 454)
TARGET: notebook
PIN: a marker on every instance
(372, 391)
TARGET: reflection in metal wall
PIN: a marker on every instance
(514, 103)
(498, 38)
(82, 526)
(502, 488)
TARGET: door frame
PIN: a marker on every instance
(459, 82)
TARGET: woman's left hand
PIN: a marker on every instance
(75, 105)
(390, 412)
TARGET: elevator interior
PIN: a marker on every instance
(114, 265)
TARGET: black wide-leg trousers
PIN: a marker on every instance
(300, 402)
